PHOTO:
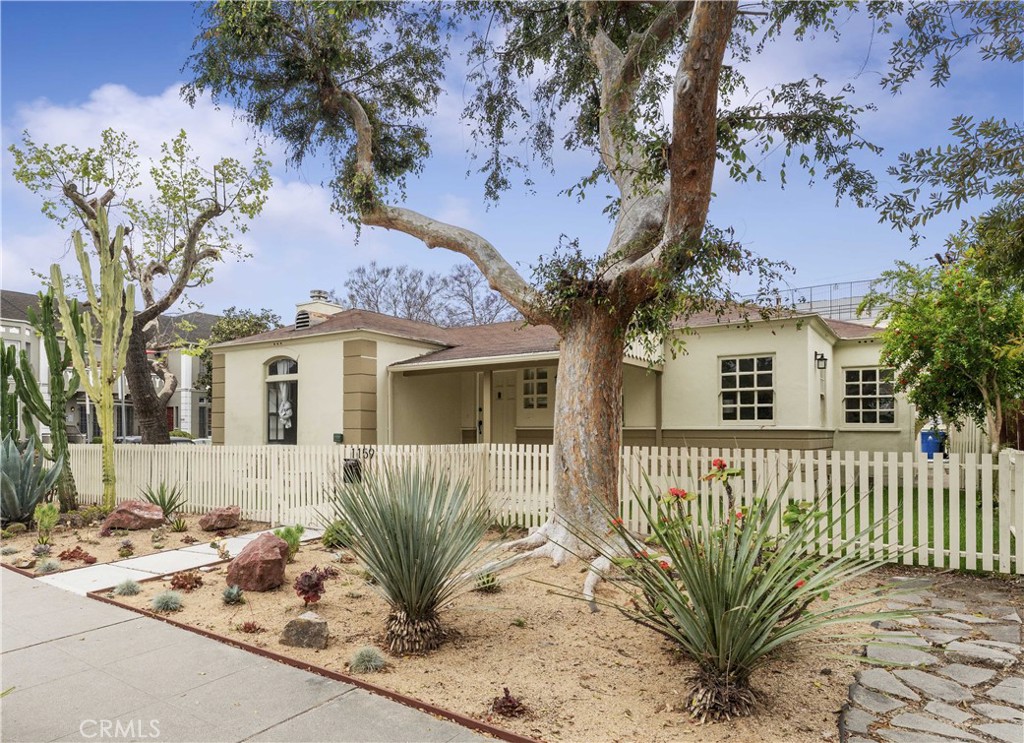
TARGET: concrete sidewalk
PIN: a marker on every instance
(86, 671)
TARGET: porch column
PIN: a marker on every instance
(360, 390)
(658, 412)
(217, 399)
(185, 394)
(485, 399)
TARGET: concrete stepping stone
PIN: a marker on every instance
(948, 711)
(902, 655)
(933, 686)
(905, 638)
(972, 652)
(1010, 690)
(913, 736)
(998, 712)
(945, 623)
(1008, 647)
(234, 545)
(966, 675)
(857, 720)
(93, 578)
(884, 682)
(1002, 632)
(938, 637)
(948, 604)
(1011, 617)
(969, 618)
(930, 726)
(872, 700)
(1008, 732)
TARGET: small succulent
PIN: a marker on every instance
(187, 581)
(188, 539)
(233, 595)
(167, 601)
(250, 628)
(46, 516)
(518, 622)
(126, 549)
(179, 525)
(72, 555)
(367, 659)
(508, 706)
(41, 550)
(309, 586)
(47, 566)
(292, 535)
(8, 550)
(127, 587)
(335, 536)
(487, 583)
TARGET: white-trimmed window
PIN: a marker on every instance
(537, 389)
(282, 401)
(747, 389)
(868, 397)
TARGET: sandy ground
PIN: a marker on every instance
(105, 549)
(585, 676)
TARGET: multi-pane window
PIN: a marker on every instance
(868, 397)
(536, 391)
(748, 388)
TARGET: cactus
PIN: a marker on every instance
(103, 352)
(23, 481)
(8, 394)
(61, 390)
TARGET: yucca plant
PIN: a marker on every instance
(23, 481)
(169, 499)
(416, 532)
(729, 594)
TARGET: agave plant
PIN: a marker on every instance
(23, 481)
(169, 499)
(416, 532)
(728, 595)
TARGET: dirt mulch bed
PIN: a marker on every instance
(584, 676)
(105, 549)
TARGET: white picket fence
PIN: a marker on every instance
(962, 512)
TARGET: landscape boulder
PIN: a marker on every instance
(260, 564)
(220, 519)
(307, 630)
(133, 515)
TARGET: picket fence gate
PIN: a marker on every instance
(962, 512)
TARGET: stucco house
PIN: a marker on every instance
(358, 377)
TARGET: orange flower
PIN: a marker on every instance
(664, 565)
(800, 583)
(617, 522)
(677, 493)
(638, 555)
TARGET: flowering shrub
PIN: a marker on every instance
(728, 594)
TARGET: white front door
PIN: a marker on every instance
(503, 407)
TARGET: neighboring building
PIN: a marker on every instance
(839, 301)
(802, 382)
(188, 409)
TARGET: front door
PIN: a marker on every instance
(503, 408)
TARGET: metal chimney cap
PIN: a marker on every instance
(318, 295)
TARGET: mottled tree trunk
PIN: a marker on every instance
(150, 408)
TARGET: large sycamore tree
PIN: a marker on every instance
(176, 229)
(654, 91)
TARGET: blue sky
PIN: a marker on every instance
(70, 69)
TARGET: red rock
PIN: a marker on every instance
(221, 518)
(133, 515)
(260, 564)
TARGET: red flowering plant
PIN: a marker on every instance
(729, 592)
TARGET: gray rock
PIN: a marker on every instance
(969, 618)
(1008, 732)
(857, 720)
(912, 736)
(903, 638)
(970, 652)
(902, 656)
(966, 675)
(948, 604)
(907, 598)
(885, 682)
(948, 711)
(1007, 647)
(938, 637)
(926, 724)
(872, 700)
(934, 686)
(1002, 632)
(1011, 617)
(999, 712)
(943, 623)
(1010, 690)
(307, 630)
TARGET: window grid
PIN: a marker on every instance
(748, 388)
(869, 398)
(535, 389)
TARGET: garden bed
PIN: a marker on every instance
(583, 675)
(67, 536)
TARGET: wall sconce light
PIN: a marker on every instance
(820, 362)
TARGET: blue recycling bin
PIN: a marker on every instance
(932, 442)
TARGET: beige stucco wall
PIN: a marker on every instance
(898, 437)
(638, 398)
(427, 409)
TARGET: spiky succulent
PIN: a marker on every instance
(167, 602)
(233, 595)
(127, 587)
(367, 659)
(47, 566)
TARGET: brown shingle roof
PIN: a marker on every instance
(353, 320)
(485, 341)
(14, 305)
(851, 330)
(189, 327)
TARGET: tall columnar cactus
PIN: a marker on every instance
(8, 395)
(61, 389)
(108, 323)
